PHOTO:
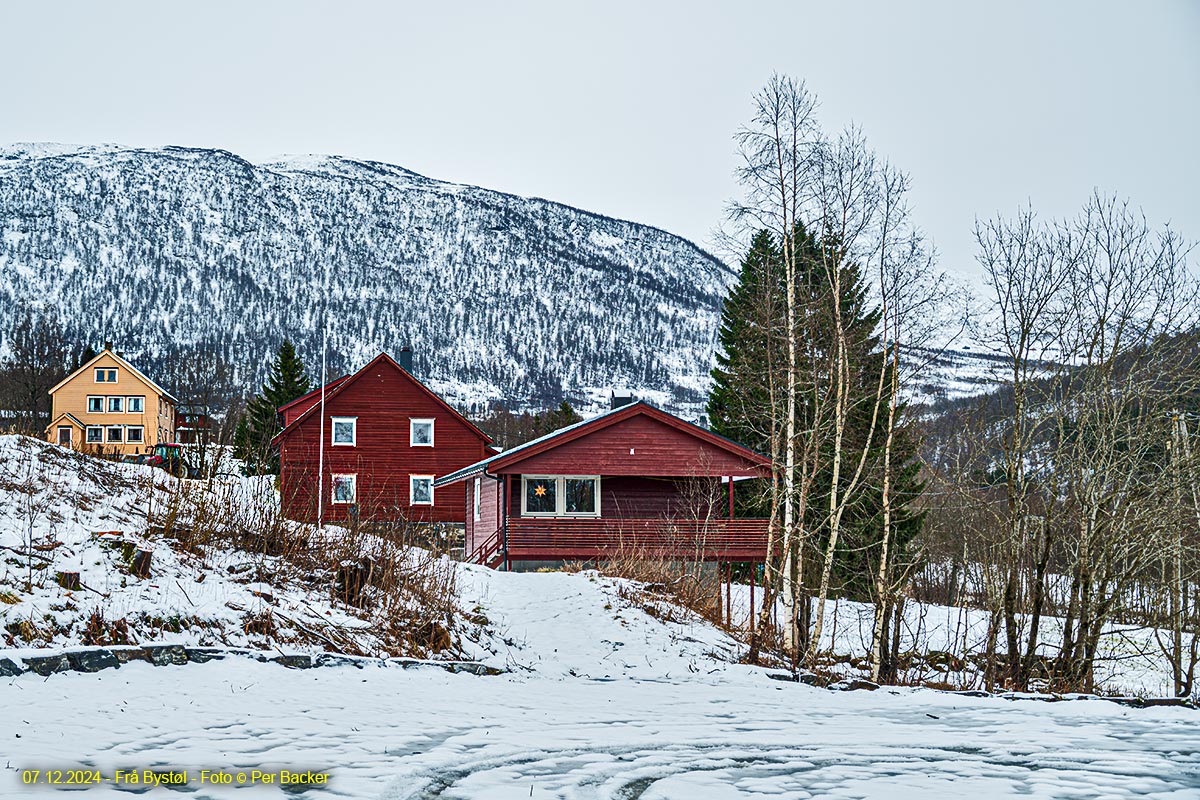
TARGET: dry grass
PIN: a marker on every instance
(665, 583)
(407, 596)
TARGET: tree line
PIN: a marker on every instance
(1069, 493)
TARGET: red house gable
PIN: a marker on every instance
(386, 438)
(636, 439)
(638, 445)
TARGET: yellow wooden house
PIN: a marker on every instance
(108, 406)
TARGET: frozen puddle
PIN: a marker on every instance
(398, 735)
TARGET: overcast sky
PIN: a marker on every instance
(628, 108)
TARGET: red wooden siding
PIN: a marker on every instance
(489, 511)
(623, 496)
(383, 398)
(293, 410)
(660, 494)
(657, 449)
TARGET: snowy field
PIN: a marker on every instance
(391, 733)
(602, 701)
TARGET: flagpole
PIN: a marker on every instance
(321, 434)
(321, 427)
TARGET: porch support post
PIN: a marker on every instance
(729, 593)
(506, 499)
(731, 497)
(753, 569)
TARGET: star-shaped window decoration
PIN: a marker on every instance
(540, 491)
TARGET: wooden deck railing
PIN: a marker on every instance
(565, 538)
(489, 550)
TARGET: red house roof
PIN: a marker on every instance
(509, 459)
(343, 383)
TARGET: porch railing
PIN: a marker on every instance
(554, 538)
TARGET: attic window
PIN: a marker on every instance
(105, 375)
(420, 433)
(345, 431)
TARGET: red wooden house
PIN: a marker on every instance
(387, 438)
(635, 480)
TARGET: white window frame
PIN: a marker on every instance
(353, 489)
(477, 483)
(87, 434)
(92, 397)
(108, 404)
(333, 421)
(129, 404)
(109, 429)
(96, 374)
(412, 423)
(412, 479)
(70, 434)
(560, 495)
(525, 479)
(141, 429)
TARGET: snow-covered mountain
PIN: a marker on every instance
(501, 297)
(938, 376)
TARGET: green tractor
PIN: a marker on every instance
(171, 458)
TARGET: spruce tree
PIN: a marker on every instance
(739, 404)
(260, 423)
(558, 417)
(747, 400)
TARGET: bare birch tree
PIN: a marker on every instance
(777, 148)
(917, 304)
(852, 210)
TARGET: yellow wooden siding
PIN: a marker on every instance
(71, 398)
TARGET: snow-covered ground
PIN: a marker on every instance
(600, 700)
(62, 511)
(642, 724)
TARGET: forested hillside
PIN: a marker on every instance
(169, 251)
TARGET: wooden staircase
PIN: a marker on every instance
(489, 552)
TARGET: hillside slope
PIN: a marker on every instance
(501, 297)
